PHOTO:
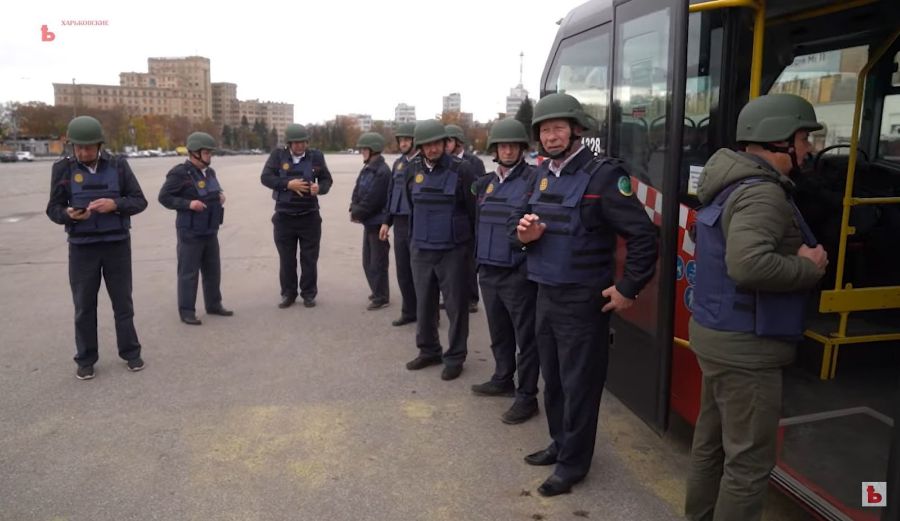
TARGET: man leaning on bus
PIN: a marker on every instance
(757, 261)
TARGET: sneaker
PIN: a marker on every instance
(492, 388)
(378, 304)
(135, 365)
(85, 373)
(521, 411)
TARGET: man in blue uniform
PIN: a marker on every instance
(456, 146)
(366, 205)
(396, 214)
(94, 195)
(509, 297)
(443, 217)
(193, 191)
(569, 226)
(297, 176)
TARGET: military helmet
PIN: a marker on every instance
(429, 131)
(455, 132)
(295, 132)
(775, 117)
(200, 141)
(560, 106)
(371, 140)
(84, 130)
(509, 130)
(406, 130)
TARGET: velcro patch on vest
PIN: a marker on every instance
(202, 184)
(78, 178)
(420, 178)
(285, 166)
(624, 186)
(544, 184)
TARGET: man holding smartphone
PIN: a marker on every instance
(94, 195)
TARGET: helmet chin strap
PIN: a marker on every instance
(199, 158)
(789, 150)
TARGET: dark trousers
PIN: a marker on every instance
(735, 442)
(446, 271)
(473, 278)
(291, 230)
(87, 264)
(375, 259)
(198, 254)
(509, 303)
(404, 266)
(573, 346)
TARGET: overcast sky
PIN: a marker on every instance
(325, 57)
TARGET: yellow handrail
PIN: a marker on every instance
(851, 167)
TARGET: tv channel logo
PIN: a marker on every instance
(874, 494)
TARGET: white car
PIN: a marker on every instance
(24, 155)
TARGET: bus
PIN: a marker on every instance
(665, 80)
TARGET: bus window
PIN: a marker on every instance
(581, 69)
(828, 81)
(889, 146)
(640, 91)
(889, 143)
(704, 73)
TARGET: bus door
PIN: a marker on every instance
(645, 129)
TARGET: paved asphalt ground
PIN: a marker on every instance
(297, 414)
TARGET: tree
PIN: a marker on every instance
(525, 114)
(243, 134)
(227, 137)
(273, 140)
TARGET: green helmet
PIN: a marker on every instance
(406, 130)
(509, 130)
(371, 140)
(429, 131)
(455, 132)
(295, 132)
(775, 117)
(560, 106)
(199, 141)
(84, 130)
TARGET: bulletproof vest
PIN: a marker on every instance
(85, 187)
(567, 253)
(290, 202)
(364, 185)
(438, 222)
(398, 204)
(499, 202)
(208, 221)
(718, 302)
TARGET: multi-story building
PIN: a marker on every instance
(172, 87)
(273, 114)
(452, 102)
(404, 113)
(516, 96)
(176, 87)
(226, 109)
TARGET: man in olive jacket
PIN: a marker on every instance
(756, 264)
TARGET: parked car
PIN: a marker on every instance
(24, 155)
(8, 157)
